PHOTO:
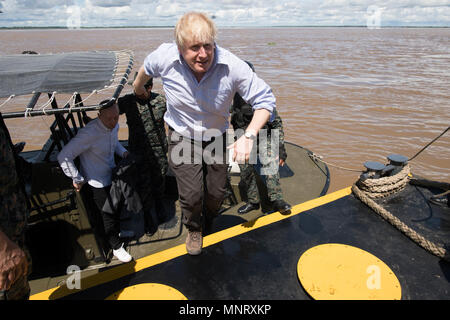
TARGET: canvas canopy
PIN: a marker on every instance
(70, 72)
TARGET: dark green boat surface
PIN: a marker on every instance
(67, 238)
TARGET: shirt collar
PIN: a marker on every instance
(220, 55)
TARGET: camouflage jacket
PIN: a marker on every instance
(145, 125)
(13, 207)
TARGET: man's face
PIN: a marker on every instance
(109, 117)
(199, 56)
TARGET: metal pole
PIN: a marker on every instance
(124, 79)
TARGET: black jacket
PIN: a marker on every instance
(124, 195)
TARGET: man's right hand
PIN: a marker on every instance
(138, 85)
(13, 262)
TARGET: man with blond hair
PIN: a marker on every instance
(200, 79)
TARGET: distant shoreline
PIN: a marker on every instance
(223, 27)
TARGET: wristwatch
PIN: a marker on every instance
(250, 134)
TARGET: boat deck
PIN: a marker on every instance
(258, 259)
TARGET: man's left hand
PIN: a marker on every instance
(242, 149)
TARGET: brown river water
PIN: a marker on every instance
(348, 94)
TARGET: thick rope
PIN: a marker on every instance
(382, 187)
(394, 184)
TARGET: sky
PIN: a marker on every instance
(226, 13)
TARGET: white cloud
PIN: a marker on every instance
(111, 3)
(169, 8)
(226, 12)
(32, 4)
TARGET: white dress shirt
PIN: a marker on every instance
(96, 145)
(194, 107)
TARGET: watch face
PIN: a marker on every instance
(249, 135)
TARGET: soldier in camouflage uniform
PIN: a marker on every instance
(15, 261)
(241, 115)
(147, 140)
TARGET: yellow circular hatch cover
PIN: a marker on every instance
(147, 291)
(342, 272)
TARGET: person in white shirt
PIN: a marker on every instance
(199, 80)
(96, 144)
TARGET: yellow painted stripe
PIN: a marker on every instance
(168, 254)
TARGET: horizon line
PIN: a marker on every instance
(242, 26)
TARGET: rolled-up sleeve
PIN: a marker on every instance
(76, 146)
(152, 62)
(254, 90)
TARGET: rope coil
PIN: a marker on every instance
(382, 187)
(370, 189)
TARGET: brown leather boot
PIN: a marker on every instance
(194, 242)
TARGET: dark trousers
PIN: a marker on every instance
(111, 222)
(201, 175)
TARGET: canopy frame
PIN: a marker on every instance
(65, 126)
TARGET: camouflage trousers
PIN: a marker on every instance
(267, 168)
